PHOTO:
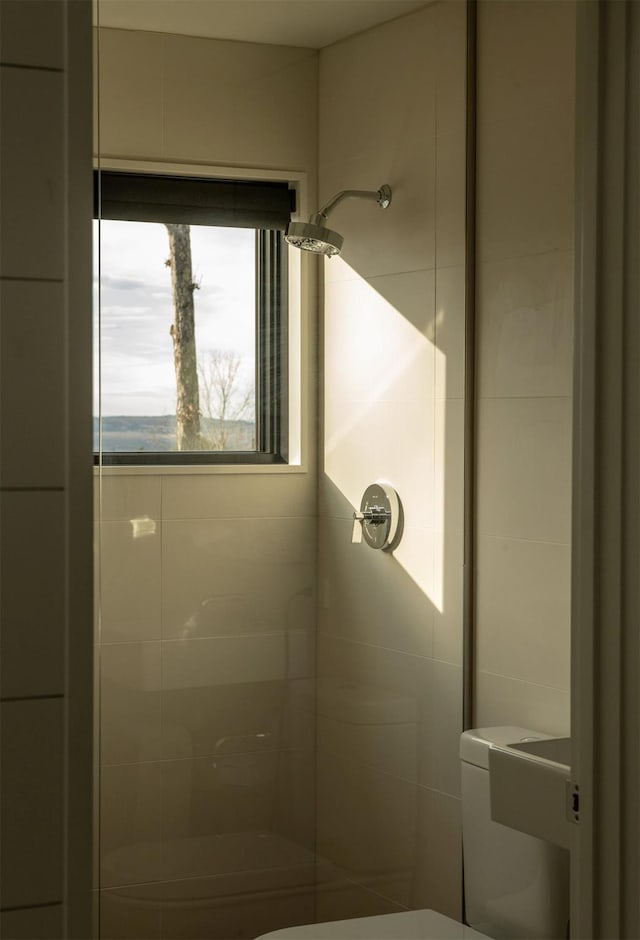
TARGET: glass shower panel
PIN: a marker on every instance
(205, 576)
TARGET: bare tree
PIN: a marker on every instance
(225, 397)
(184, 338)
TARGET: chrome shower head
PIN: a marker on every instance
(315, 236)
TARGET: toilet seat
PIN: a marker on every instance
(407, 925)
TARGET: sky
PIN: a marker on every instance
(133, 310)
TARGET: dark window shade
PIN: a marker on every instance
(193, 201)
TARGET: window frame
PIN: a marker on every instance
(231, 209)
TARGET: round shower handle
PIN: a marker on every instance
(379, 520)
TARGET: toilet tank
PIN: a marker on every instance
(515, 886)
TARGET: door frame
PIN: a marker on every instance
(606, 473)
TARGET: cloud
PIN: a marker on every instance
(129, 284)
(137, 308)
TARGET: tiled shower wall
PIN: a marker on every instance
(392, 110)
(45, 469)
(207, 580)
(526, 65)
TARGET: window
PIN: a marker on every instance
(190, 320)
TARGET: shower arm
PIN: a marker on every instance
(382, 196)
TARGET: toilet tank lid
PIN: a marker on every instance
(476, 743)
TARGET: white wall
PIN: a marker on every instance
(45, 469)
(207, 734)
(392, 110)
(526, 61)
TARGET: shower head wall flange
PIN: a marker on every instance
(315, 236)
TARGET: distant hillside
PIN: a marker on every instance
(157, 434)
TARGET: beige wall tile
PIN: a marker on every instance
(130, 702)
(340, 899)
(369, 596)
(448, 622)
(31, 175)
(37, 923)
(232, 906)
(121, 498)
(391, 748)
(524, 468)
(130, 824)
(348, 462)
(438, 882)
(131, 93)
(203, 717)
(203, 73)
(401, 238)
(33, 602)
(279, 864)
(410, 295)
(32, 33)
(392, 712)
(451, 198)
(211, 808)
(240, 906)
(228, 496)
(274, 121)
(31, 801)
(332, 502)
(372, 443)
(295, 818)
(525, 172)
(32, 372)
(249, 104)
(367, 825)
(448, 448)
(523, 610)
(515, 77)
(450, 52)
(130, 600)
(502, 700)
(132, 912)
(209, 101)
(223, 660)
(449, 332)
(387, 80)
(373, 707)
(525, 334)
(395, 315)
(236, 576)
(526, 63)
(442, 727)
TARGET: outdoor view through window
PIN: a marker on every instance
(153, 392)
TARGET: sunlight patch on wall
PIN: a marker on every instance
(381, 419)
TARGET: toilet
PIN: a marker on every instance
(515, 886)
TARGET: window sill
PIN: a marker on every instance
(206, 470)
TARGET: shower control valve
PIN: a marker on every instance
(379, 518)
(374, 515)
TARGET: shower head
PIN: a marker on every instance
(315, 236)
